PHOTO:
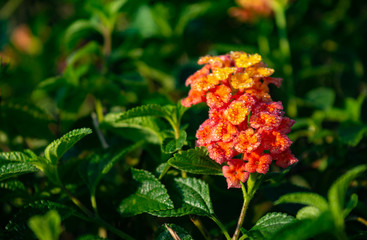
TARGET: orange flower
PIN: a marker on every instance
(243, 119)
(235, 173)
(247, 141)
(249, 10)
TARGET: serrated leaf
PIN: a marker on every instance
(337, 192)
(305, 229)
(271, 223)
(57, 148)
(311, 199)
(195, 161)
(14, 169)
(170, 144)
(46, 227)
(97, 166)
(167, 231)
(151, 196)
(17, 156)
(191, 196)
(145, 110)
(13, 185)
(308, 212)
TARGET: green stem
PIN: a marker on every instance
(221, 226)
(246, 201)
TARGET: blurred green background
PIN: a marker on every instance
(65, 64)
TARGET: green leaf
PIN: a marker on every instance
(308, 212)
(305, 229)
(18, 224)
(171, 144)
(191, 196)
(351, 133)
(13, 185)
(97, 166)
(10, 169)
(26, 156)
(151, 196)
(57, 148)
(145, 110)
(147, 128)
(115, 6)
(322, 98)
(311, 199)
(168, 231)
(85, 51)
(195, 161)
(337, 192)
(46, 227)
(78, 28)
(189, 13)
(270, 224)
(352, 203)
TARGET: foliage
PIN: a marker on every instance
(95, 144)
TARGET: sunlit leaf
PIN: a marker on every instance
(270, 224)
(337, 192)
(151, 196)
(46, 227)
(195, 161)
(14, 169)
(190, 196)
(311, 199)
(308, 212)
(57, 148)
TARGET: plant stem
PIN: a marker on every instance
(196, 221)
(94, 203)
(221, 226)
(246, 202)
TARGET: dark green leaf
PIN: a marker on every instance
(195, 161)
(167, 231)
(322, 98)
(46, 227)
(57, 148)
(78, 28)
(352, 203)
(270, 224)
(311, 199)
(351, 133)
(191, 196)
(151, 196)
(97, 166)
(18, 156)
(18, 224)
(171, 144)
(337, 192)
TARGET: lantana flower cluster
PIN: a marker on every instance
(246, 130)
